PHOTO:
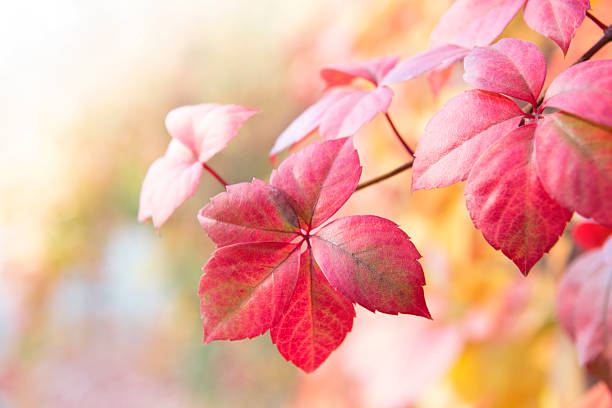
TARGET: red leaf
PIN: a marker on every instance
(458, 134)
(373, 70)
(207, 128)
(585, 308)
(249, 286)
(556, 19)
(199, 132)
(318, 188)
(508, 203)
(589, 235)
(307, 122)
(372, 262)
(436, 58)
(512, 67)
(585, 90)
(470, 23)
(354, 110)
(170, 181)
(317, 319)
(249, 212)
(246, 288)
(580, 176)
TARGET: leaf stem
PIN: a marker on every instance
(597, 21)
(401, 139)
(385, 176)
(214, 174)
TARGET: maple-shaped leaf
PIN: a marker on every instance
(589, 235)
(345, 108)
(584, 307)
(470, 23)
(507, 202)
(519, 197)
(198, 133)
(279, 267)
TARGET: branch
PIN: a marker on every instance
(597, 21)
(606, 38)
(385, 176)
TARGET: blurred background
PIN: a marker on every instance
(97, 310)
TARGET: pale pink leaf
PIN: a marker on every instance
(170, 181)
(316, 321)
(346, 116)
(319, 179)
(508, 204)
(436, 58)
(470, 23)
(458, 134)
(585, 90)
(207, 128)
(513, 67)
(574, 162)
(371, 70)
(577, 273)
(249, 212)
(372, 262)
(556, 19)
(307, 122)
(246, 288)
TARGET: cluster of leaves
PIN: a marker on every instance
(528, 167)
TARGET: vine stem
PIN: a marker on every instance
(401, 139)
(597, 21)
(385, 176)
(214, 174)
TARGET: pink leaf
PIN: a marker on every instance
(319, 179)
(371, 70)
(584, 305)
(249, 212)
(580, 176)
(170, 181)
(577, 273)
(458, 134)
(556, 19)
(317, 319)
(470, 23)
(207, 128)
(585, 90)
(436, 58)
(372, 262)
(307, 122)
(199, 132)
(250, 284)
(513, 67)
(508, 203)
(246, 288)
(354, 110)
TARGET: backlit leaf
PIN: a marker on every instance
(508, 204)
(580, 175)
